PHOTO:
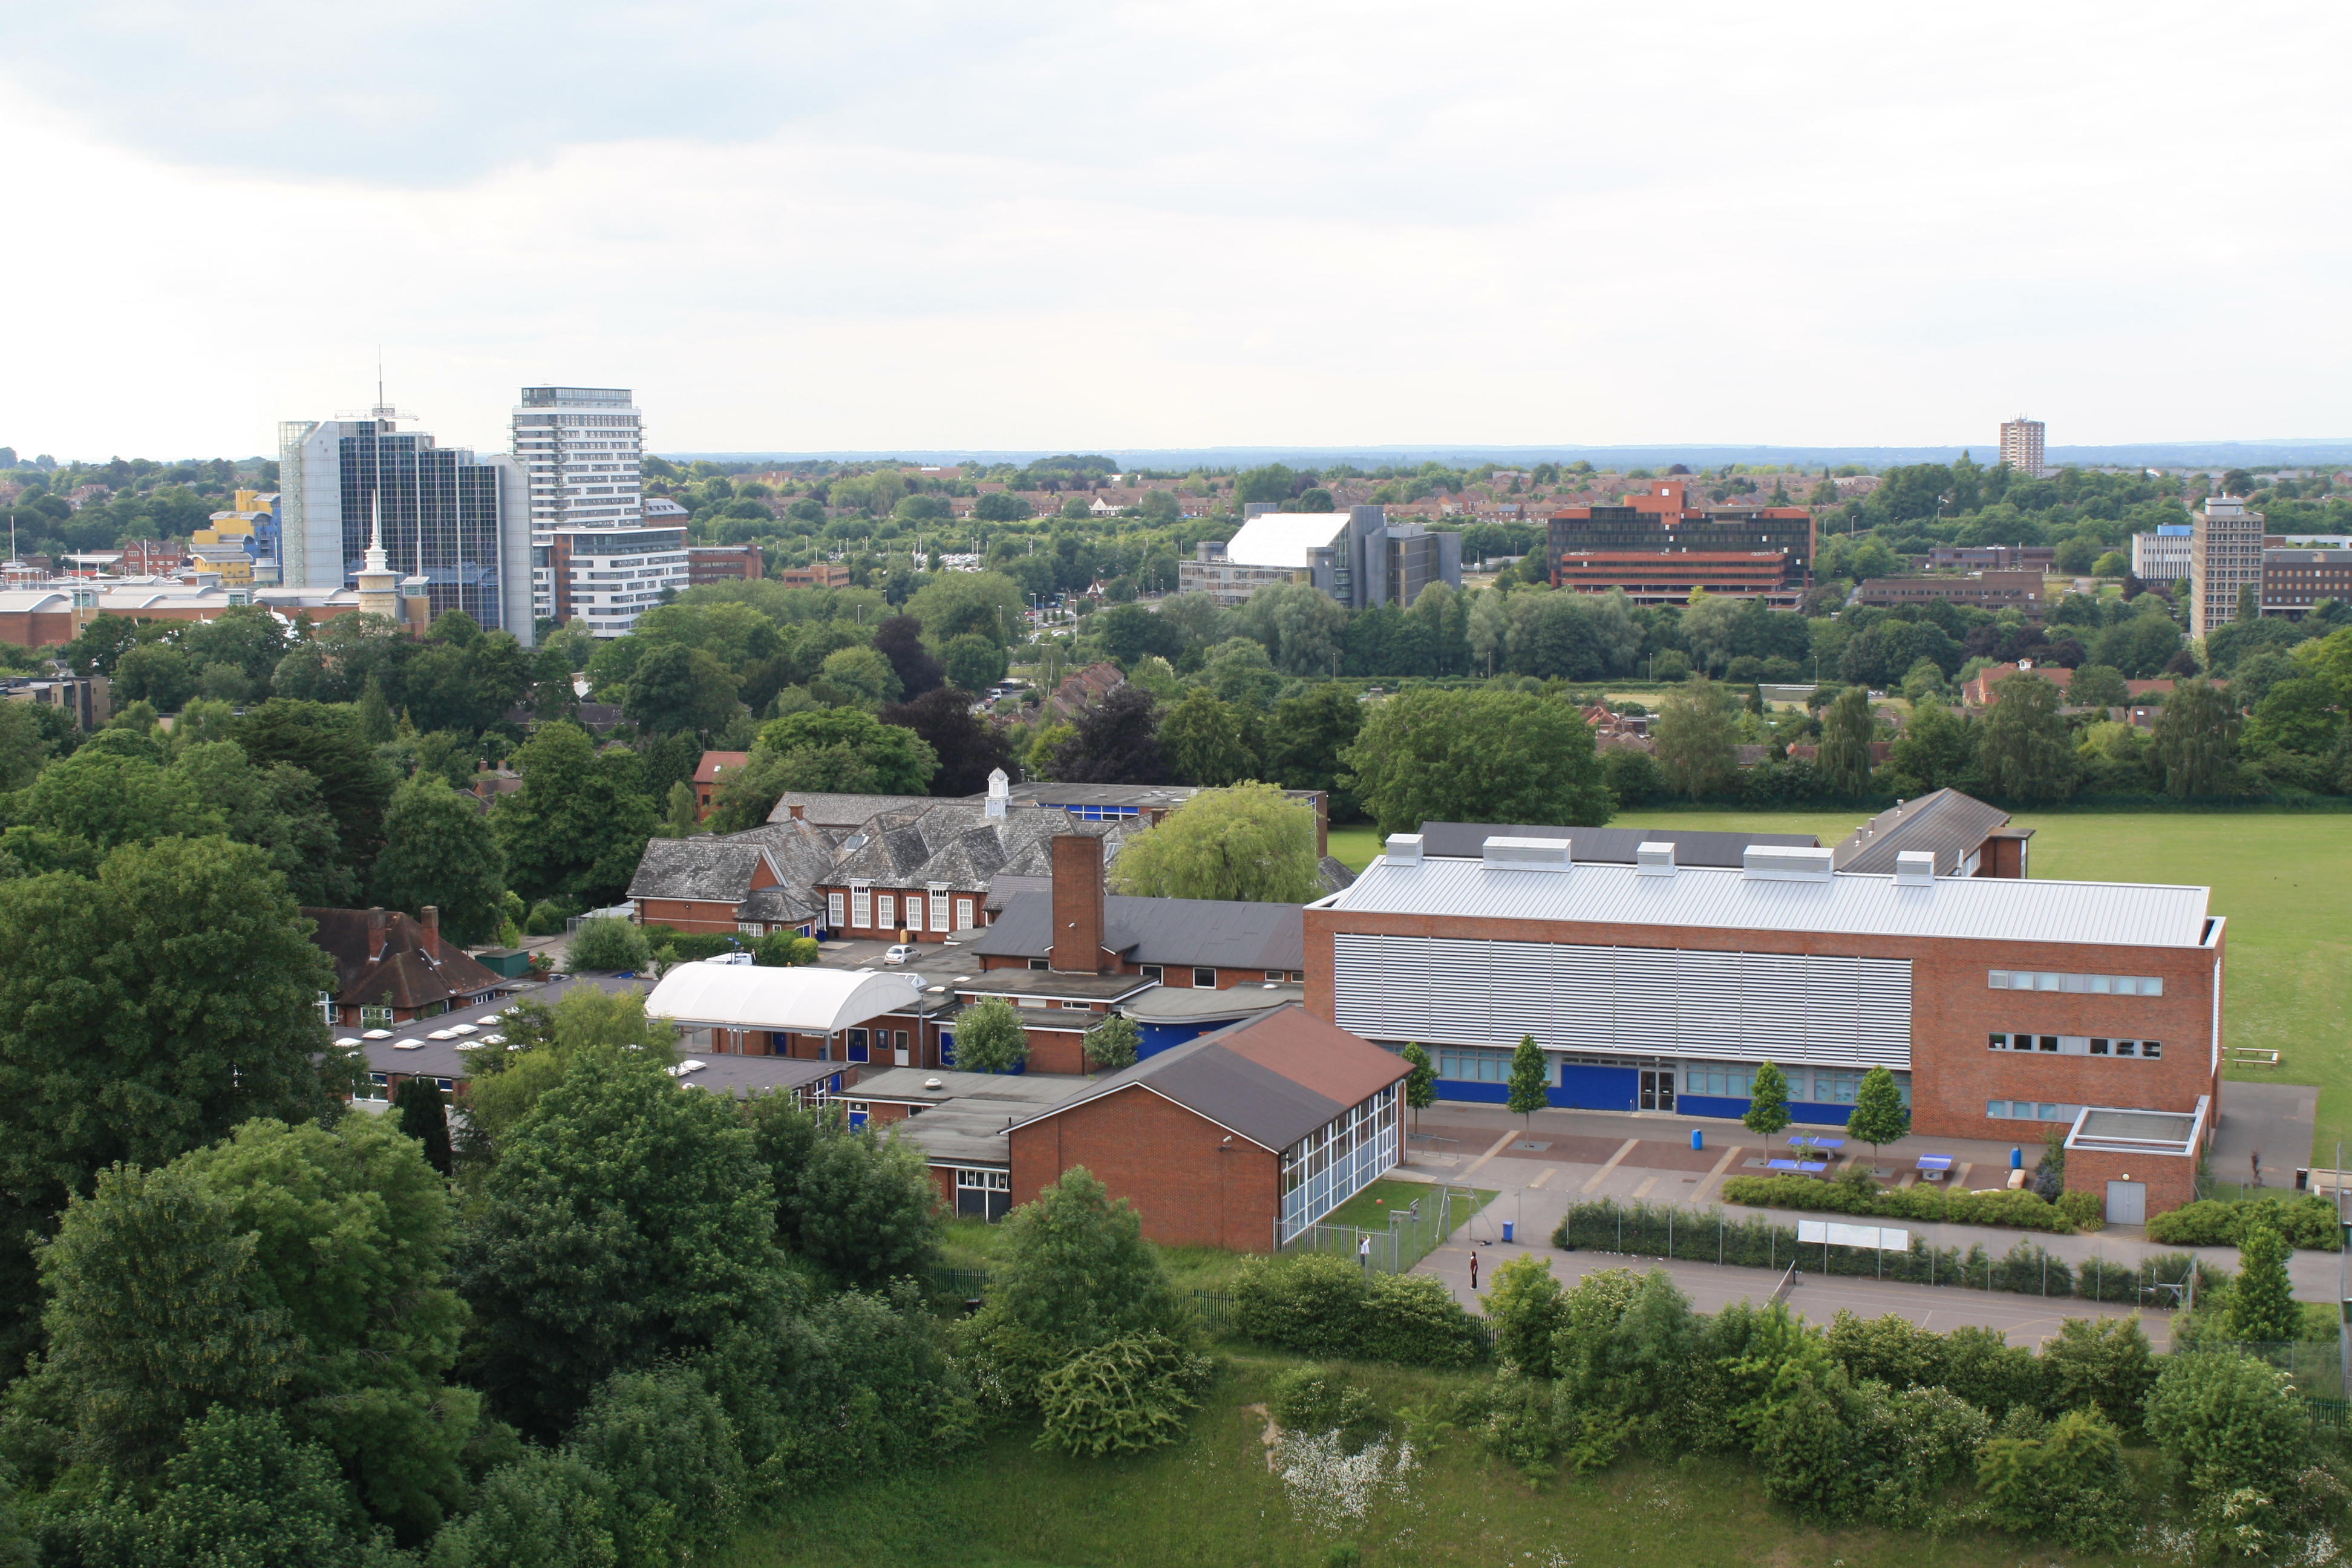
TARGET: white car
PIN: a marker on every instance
(901, 953)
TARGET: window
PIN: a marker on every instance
(2075, 1045)
(1080, 1006)
(1836, 1088)
(375, 1017)
(861, 908)
(2029, 1110)
(1154, 972)
(963, 916)
(1469, 1064)
(1274, 974)
(886, 911)
(1298, 976)
(2088, 984)
(1207, 977)
(983, 1194)
(939, 908)
(1037, 964)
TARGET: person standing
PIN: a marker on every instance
(1474, 1270)
(1364, 1254)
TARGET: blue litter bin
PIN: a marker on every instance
(1508, 1226)
(2017, 1159)
(1698, 1138)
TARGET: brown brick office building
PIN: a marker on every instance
(2002, 1005)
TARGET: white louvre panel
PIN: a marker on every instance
(1833, 994)
(1524, 994)
(1457, 993)
(1645, 982)
(1584, 997)
(1774, 1003)
(1362, 992)
(1886, 1031)
(1709, 1003)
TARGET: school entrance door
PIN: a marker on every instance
(1658, 1089)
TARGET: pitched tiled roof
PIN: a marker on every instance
(955, 842)
(1946, 823)
(393, 966)
(840, 811)
(1177, 933)
(714, 763)
(701, 868)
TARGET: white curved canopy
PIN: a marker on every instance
(803, 1001)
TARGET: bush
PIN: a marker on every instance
(548, 917)
(2227, 1420)
(2087, 1211)
(1309, 1399)
(1124, 1396)
(2021, 1210)
(2308, 1221)
(1319, 1305)
(609, 943)
(551, 1509)
(2070, 1484)
(664, 1442)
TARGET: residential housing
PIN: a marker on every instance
(1983, 689)
(2022, 446)
(390, 969)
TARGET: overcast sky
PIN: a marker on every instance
(1101, 224)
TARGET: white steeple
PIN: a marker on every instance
(378, 583)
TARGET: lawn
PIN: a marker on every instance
(2282, 878)
(1210, 1501)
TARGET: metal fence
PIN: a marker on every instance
(1413, 1233)
(2317, 1366)
(1665, 1230)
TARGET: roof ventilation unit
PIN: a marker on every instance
(1914, 868)
(1779, 863)
(1527, 855)
(1403, 849)
(1654, 860)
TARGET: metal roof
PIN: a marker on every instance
(1283, 539)
(2120, 914)
(1946, 824)
(1466, 841)
(801, 1000)
(1169, 932)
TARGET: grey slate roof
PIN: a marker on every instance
(841, 812)
(1177, 932)
(1947, 824)
(1609, 845)
(955, 842)
(703, 867)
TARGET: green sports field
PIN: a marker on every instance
(2284, 879)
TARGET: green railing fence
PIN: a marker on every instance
(1413, 1233)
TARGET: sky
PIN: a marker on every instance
(1112, 225)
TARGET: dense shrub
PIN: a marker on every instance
(677, 1479)
(1126, 1395)
(2019, 1209)
(2308, 1221)
(2069, 1484)
(608, 942)
(2107, 1365)
(553, 1510)
(1318, 1305)
(1309, 1399)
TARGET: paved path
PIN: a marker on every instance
(1581, 1156)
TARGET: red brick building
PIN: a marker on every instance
(1659, 544)
(390, 969)
(2002, 1005)
(724, 562)
(708, 777)
(755, 882)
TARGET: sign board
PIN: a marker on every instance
(1883, 1238)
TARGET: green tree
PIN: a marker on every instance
(542, 1044)
(579, 823)
(1249, 844)
(677, 688)
(989, 1037)
(439, 851)
(2227, 1421)
(424, 1116)
(1879, 1115)
(842, 749)
(1305, 738)
(550, 1510)
(2024, 746)
(1847, 730)
(626, 1220)
(951, 603)
(1694, 735)
(155, 672)
(2097, 686)
(246, 1491)
(866, 1208)
(1484, 755)
(973, 662)
(326, 743)
(663, 1441)
(2195, 739)
(374, 713)
(1531, 1078)
(1933, 751)
(108, 797)
(1421, 1084)
(1112, 1044)
(23, 745)
(608, 942)
(2262, 1300)
(1768, 1102)
(1205, 742)
(2070, 1483)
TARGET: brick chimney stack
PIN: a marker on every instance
(429, 918)
(1077, 945)
(375, 933)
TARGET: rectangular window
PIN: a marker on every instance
(2150, 1049)
(2090, 985)
(1037, 964)
(2049, 1043)
(886, 911)
(2098, 1046)
(375, 1017)
(861, 908)
(963, 916)
(1152, 972)
(2126, 1047)
(939, 909)
(1207, 977)
(1274, 974)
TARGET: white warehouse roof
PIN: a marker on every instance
(1284, 538)
(801, 1001)
(2122, 914)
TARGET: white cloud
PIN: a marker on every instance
(1155, 226)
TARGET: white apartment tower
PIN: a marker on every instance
(2020, 445)
(592, 555)
(2225, 557)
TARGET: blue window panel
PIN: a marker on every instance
(946, 1047)
(1457, 1088)
(1597, 1088)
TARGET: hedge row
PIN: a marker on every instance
(1665, 1230)
(2020, 1210)
(2308, 1221)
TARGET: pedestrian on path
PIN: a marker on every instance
(1474, 1271)
(1364, 1254)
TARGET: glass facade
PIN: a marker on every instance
(1331, 1164)
(439, 511)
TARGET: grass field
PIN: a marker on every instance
(2282, 878)
(1211, 1502)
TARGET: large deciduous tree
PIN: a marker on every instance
(968, 747)
(1250, 843)
(440, 850)
(1695, 736)
(579, 824)
(1115, 740)
(2024, 748)
(677, 688)
(2195, 741)
(1843, 759)
(1488, 756)
(1205, 742)
(325, 742)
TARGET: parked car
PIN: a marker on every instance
(901, 953)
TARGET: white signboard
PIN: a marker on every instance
(1884, 1238)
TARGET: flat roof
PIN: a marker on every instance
(1052, 986)
(911, 1086)
(1991, 909)
(1195, 1003)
